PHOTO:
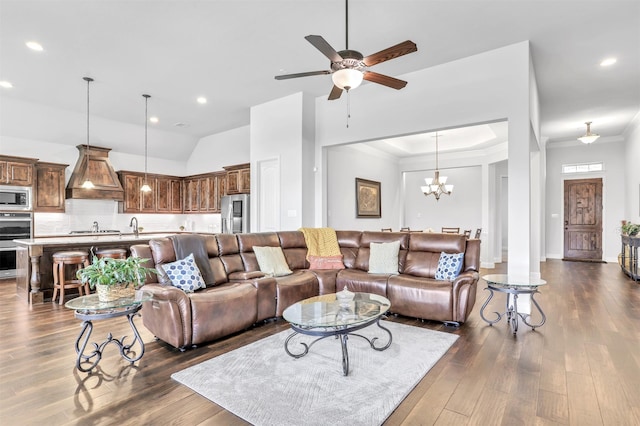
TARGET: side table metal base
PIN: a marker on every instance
(93, 358)
(511, 313)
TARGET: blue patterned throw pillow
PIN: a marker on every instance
(449, 266)
(184, 274)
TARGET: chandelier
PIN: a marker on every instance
(588, 137)
(436, 186)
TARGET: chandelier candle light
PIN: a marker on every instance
(436, 185)
(87, 184)
(145, 186)
(588, 137)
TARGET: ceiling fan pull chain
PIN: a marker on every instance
(348, 108)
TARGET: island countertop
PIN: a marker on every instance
(84, 239)
(34, 257)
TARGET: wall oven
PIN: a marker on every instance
(13, 226)
(15, 197)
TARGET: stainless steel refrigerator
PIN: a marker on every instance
(234, 210)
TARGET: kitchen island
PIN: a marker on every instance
(34, 262)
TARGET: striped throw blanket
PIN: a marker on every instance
(321, 242)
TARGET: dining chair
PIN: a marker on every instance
(446, 230)
(386, 229)
(478, 232)
(405, 229)
(467, 233)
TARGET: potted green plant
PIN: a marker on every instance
(115, 278)
(630, 229)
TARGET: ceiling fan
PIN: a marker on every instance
(349, 67)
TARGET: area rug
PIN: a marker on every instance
(264, 386)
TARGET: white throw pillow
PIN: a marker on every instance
(272, 261)
(383, 258)
(184, 274)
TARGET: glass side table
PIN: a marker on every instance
(513, 286)
(89, 309)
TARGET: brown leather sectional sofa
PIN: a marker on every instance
(243, 296)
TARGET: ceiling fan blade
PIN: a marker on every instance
(302, 74)
(326, 49)
(385, 80)
(391, 53)
(336, 92)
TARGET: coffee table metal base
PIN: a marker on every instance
(341, 333)
(93, 358)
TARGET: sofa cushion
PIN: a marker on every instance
(383, 258)
(272, 261)
(449, 266)
(184, 274)
(326, 262)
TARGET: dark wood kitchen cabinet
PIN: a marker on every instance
(169, 194)
(49, 187)
(165, 195)
(238, 179)
(16, 170)
(203, 192)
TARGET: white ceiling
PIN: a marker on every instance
(230, 51)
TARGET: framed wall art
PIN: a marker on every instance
(368, 198)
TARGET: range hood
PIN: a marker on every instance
(93, 162)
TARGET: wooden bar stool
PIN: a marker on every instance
(115, 253)
(78, 258)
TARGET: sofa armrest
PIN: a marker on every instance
(168, 314)
(464, 295)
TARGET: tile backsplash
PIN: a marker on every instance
(80, 215)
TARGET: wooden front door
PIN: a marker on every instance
(583, 219)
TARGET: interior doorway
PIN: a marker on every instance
(583, 219)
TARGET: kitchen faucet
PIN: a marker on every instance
(134, 224)
(95, 227)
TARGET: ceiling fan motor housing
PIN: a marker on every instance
(351, 59)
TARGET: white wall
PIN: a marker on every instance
(278, 131)
(460, 209)
(613, 198)
(213, 152)
(344, 165)
(491, 86)
(632, 177)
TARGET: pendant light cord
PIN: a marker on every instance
(146, 120)
(88, 155)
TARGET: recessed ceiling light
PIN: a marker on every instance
(608, 62)
(153, 119)
(202, 100)
(6, 84)
(34, 45)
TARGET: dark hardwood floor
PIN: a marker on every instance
(581, 368)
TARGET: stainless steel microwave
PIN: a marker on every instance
(15, 197)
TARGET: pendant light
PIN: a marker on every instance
(588, 137)
(145, 186)
(436, 185)
(87, 184)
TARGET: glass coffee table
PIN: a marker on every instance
(513, 286)
(326, 316)
(89, 309)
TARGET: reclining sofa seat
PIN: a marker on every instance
(242, 295)
(187, 319)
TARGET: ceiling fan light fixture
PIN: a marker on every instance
(588, 137)
(347, 78)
